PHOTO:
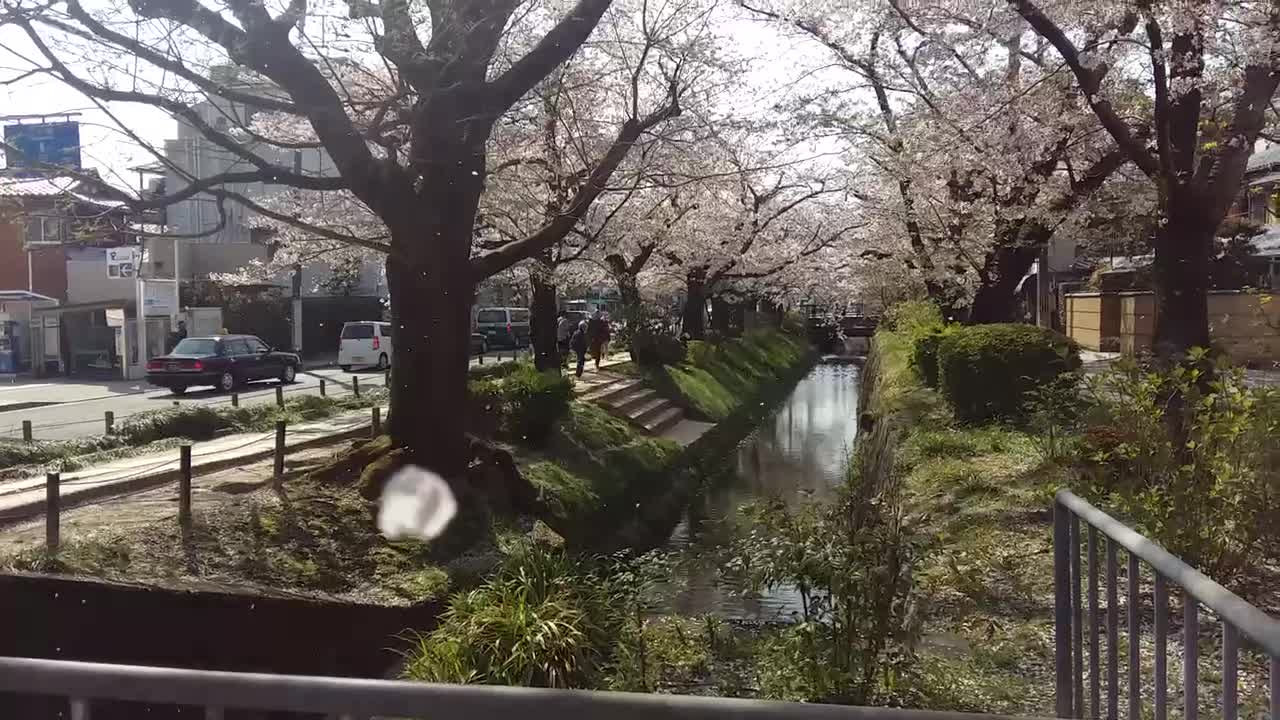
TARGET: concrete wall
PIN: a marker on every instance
(1246, 326)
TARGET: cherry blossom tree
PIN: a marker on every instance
(415, 154)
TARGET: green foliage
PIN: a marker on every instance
(543, 620)
(914, 319)
(924, 356)
(986, 370)
(851, 563)
(1190, 455)
(529, 402)
(715, 378)
(653, 346)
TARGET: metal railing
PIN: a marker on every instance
(1238, 617)
(352, 699)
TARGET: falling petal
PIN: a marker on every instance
(416, 503)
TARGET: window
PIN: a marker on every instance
(44, 230)
(519, 316)
(193, 346)
(491, 316)
(236, 347)
(357, 332)
(384, 330)
(255, 345)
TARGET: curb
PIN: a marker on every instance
(36, 508)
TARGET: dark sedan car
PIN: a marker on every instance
(225, 362)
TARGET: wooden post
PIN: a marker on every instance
(235, 399)
(184, 487)
(377, 421)
(322, 388)
(109, 419)
(26, 431)
(279, 396)
(386, 378)
(355, 385)
(52, 510)
(279, 466)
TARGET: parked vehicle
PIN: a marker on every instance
(365, 344)
(223, 361)
(505, 327)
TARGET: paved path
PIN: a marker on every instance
(65, 409)
(25, 498)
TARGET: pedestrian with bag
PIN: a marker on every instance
(578, 343)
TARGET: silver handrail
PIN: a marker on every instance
(83, 682)
(1238, 617)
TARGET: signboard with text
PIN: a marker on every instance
(38, 145)
(122, 262)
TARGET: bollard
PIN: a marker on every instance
(377, 421)
(482, 357)
(386, 378)
(322, 390)
(52, 509)
(355, 385)
(26, 431)
(279, 396)
(184, 487)
(109, 419)
(235, 399)
(279, 466)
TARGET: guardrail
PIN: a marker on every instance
(1238, 617)
(354, 699)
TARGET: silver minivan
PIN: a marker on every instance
(365, 344)
(503, 326)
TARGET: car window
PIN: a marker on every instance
(357, 332)
(385, 330)
(491, 316)
(196, 346)
(519, 316)
(235, 347)
(255, 345)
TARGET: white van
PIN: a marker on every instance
(365, 344)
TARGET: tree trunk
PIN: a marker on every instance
(546, 356)
(720, 310)
(695, 304)
(996, 298)
(1183, 248)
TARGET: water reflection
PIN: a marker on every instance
(800, 451)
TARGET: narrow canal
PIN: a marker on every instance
(799, 452)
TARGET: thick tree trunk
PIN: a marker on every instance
(546, 356)
(996, 297)
(720, 320)
(1183, 249)
(695, 304)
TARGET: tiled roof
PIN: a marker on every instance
(1263, 159)
(56, 186)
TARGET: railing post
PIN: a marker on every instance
(322, 388)
(52, 513)
(377, 421)
(279, 464)
(109, 421)
(184, 487)
(235, 399)
(1230, 672)
(1161, 602)
(1190, 658)
(355, 385)
(26, 431)
(279, 396)
(1063, 692)
(1135, 634)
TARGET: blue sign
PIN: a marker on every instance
(39, 145)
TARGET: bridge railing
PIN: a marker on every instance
(1072, 616)
(217, 693)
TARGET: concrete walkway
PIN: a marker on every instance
(26, 498)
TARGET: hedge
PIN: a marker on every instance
(985, 370)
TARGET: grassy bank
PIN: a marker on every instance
(715, 378)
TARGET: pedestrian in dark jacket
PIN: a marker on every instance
(578, 343)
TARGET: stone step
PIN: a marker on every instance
(664, 420)
(602, 391)
(647, 410)
(636, 396)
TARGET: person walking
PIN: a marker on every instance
(596, 329)
(578, 343)
(606, 334)
(564, 333)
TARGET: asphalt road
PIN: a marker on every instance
(64, 410)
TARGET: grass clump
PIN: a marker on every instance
(715, 378)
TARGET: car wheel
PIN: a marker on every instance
(383, 362)
(344, 368)
(227, 382)
(288, 374)
(179, 389)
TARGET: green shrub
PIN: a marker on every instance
(924, 355)
(984, 371)
(652, 348)
(914, 318)
(529, 401)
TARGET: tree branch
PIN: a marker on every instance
(557, 46)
